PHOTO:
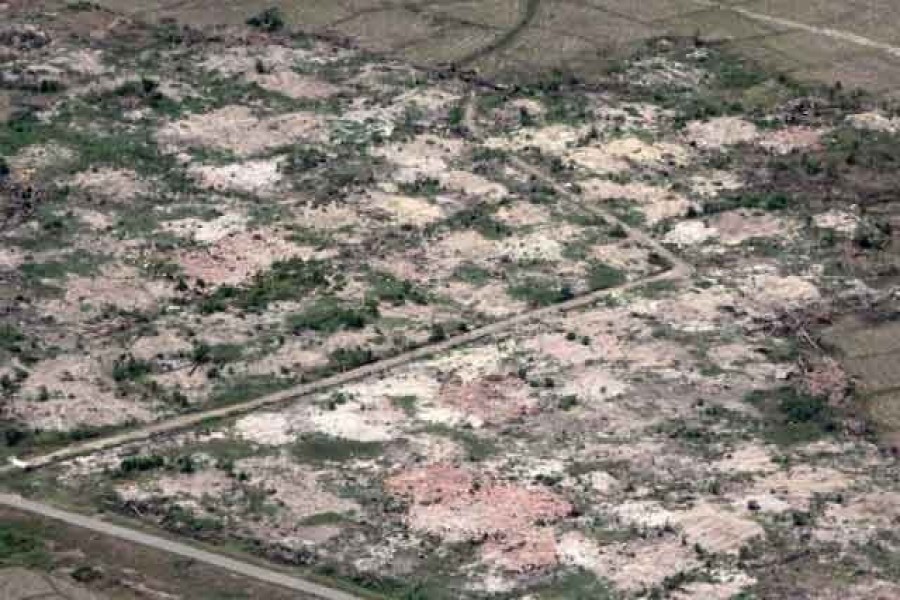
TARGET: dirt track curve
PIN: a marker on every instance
(159, 543)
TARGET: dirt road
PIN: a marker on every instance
(308, 588)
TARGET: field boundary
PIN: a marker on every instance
(177, 548)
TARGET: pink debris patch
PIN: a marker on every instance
(492, 400)
(532, 552)
(785, 141)
(236, 258)
(510, 519)
(827, 379)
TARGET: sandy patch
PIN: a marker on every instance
(121, 287)
(840, 221)
(569, 352)
(294, 85)
(720, 132)
(458, 507)
(79, 393)
(39, 157)
(167, 343)
(630, 566)
(250, 177)
(270, 429)
(874, 121)
(594, 385)
(656, 203)
(738, 226)
(473, 185)
(489, 401)
(546, 245)
(424, 156)
(376, 420)
(725, 586)
(208, 232)
(491, 299)
(522, 214)
(712, 184)
(238, 130)
(404, 210)
(859, 518)
(112, 185)
(750, 458)
(791, 139)
(236, 258)
(791, 489)
(689, 233)
(717, 530)
(772, 293)
(553, 139)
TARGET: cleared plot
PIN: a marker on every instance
(500, 14)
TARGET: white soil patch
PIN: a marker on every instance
(208, 232)
(522, 214)
(121, 287)
(251, 177)
(630, 566)
(792, 489)
(294, 85)
(594, 385)
(238, 130)
(690, 233)
(168, 343)
(840, 221)
(236, 258)
(656, 203)
(112, 185)
(80, 394)
(875, 121)
(425, 156)
(491, 299)
(771, 293)
(720, 132)
(717, 530)
(404, 210)
(725, 586)
(738, 226)
(791, 139)
(470, 184)
(269, 429)
(714, 183)
(860, 518)
(553, 140)
(546, 245)
(39, 157)
(751, 458)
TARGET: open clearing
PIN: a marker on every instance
(622, 332)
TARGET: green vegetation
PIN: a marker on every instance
(22, 546)
(578, 585)
(76, 263)
(387, 288)
(602, 276)
(480, 218)
(477, 448)
(540, 292)
(770, 201)
(328, 314)
(288, 279)
(129, 368)
(270, 20)
(140, 463)
(792, 417)
(321, 448)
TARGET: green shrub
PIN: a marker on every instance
(320, 448)
(141, 463)
(541, 292)
(387, 288)
(129, 368)
(328, 315)
(602, 276)
(269, 20)
(286, 280)
(21, 547)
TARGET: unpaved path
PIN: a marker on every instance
(679, 269)
(836, 34)
(527, 11)
(308, 588)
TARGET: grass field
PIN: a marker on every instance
(512, 38)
